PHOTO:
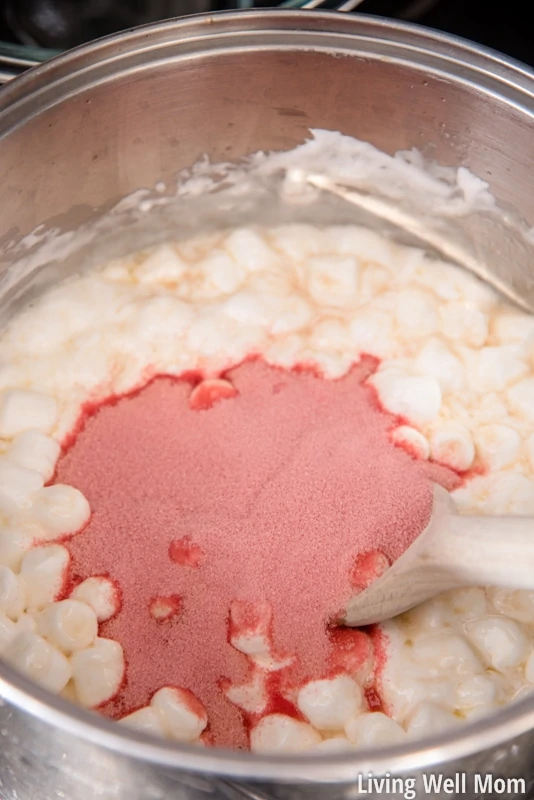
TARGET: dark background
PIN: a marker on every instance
(500, 24)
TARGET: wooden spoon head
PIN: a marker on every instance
(415, 577)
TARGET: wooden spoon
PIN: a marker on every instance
(453, 551)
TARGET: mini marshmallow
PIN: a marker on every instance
(521, 399)
(464, 323)
(146, 720)
(12, 594)
(329, 704)
(331, 335)
(17, 485)
(35, 451)
(8, 631)
(495, 368)
(529, 447)
(337, 744)
(512, 326)
(508, 493)
(250, 625)
(501, 642)
(497, 445)
(14, 543)
(163, 265)
(183, 716)
(97, 672)
(43, 571)
(414, 397)
(222, 274)
(451, 444)
(100, 594)
(277, 733)
(445, 653)
(529, 668)
(60, 510)
(374, 728)
(428, 719)
(69, 625)
(517, 604)
(476, 690)
(250, 250)
(371, 331)
(467, 604)
(412, 440)
(416, 313)
(21, 410)
(436, 359)
(251, 697)
(39, 660)
(333, 280)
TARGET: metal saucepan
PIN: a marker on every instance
(123, 113)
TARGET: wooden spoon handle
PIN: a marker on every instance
(491, 551)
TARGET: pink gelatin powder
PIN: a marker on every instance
(268, 495)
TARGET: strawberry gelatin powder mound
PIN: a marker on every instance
(268, 495)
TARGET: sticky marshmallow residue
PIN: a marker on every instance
(279, 488)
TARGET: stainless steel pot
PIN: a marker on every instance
(104, 120)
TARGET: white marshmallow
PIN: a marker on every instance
(451, 444)
(8, 631)
(100, 594)
(43, 571)
(371, 332)
(17, 485)
(14, 542)
(97, 672)
(508, 493)
(521, 399)
(183, 716)
(60, 510)
(39, 660)
(250, 250)
(529, 447)
(69, 625)
(146, 720)
(529, 668)
(162, 266)
(501, 642)
(516, 604)
(12, 593)
(467, 604)
(22, 409)
(333, 280)
(412, 440)
(464, 323)
(337, 744)
(476, 690)
(416, 398)
(511, 326)
(251, 697)
(35, 451)
(277, 733)
(416, 313)
(374, 728)
(250, 627)
(445, 654)
(222, 275)
(495, 368)
(429, 719)
(329, 704)
(497, 445)
(436, 360)
(332, 335)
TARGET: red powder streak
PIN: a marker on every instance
(185, 552)
(280, 487)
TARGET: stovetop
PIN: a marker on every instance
(501, 26)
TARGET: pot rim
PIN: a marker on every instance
(73, 72)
